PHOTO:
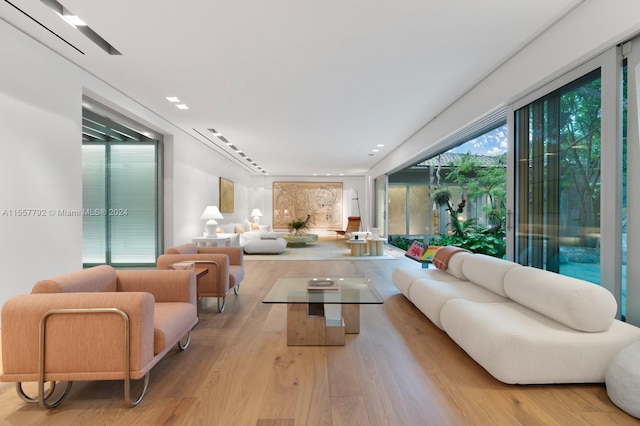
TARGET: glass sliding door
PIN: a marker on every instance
(380, 220)
(121, 192)
(94, 196)
(632, 174)
(558, 153)
(398, 218)
(120, 202)
(133, 204)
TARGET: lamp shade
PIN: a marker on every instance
(256, 213)
(211, 213)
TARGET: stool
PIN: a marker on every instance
(622, 379)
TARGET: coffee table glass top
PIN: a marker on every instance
(351, 290)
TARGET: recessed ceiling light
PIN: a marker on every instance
(173, 99)
(380, 145)
(375, 150)
(74, 20)
(182, 106)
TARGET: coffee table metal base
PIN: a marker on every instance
(307, 325)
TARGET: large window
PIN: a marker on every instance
(473, 174)
(558, 151)
(121, 193)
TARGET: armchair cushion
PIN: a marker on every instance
(99, 278)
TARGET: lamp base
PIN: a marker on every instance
(210, 228)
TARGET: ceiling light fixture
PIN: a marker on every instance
(74, 20)
(173, 99)
(80, 25)
(235, 149)
(182, 106)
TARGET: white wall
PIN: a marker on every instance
(352, 187)
(41, 164)
(40, 136)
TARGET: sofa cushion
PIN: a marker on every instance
(518, 345)
(170, 321)
(570, 301)
(487, 271)
(443, 254)
(454, 267)
(264, 246)
(95, 279)
(430, 294)
(403, 278)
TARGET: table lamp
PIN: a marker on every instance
(211, 213)
(256, 214)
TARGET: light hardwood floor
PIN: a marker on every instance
(400, 370)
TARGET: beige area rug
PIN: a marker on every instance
(326, 248)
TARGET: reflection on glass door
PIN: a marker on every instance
(557, 141)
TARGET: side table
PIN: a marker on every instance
(211, 241)
(357, 247)
(376, 246)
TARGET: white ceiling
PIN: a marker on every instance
(301, 87)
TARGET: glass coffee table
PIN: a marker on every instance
(322, 317)
(300, 240)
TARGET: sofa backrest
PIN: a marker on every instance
(97, 279)
(454, 266)
(186, 248)
(573, 302)
(488, 271)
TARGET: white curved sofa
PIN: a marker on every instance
(522, 324)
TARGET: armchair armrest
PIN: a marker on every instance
(216, 282)
(165, 286)
(79, 346)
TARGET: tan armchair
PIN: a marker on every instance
(225, 267)
(95, 324)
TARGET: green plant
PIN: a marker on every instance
(298, 225)
(442, 197)
(489, 241)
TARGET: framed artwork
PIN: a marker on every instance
(226, 196)
(321, 201)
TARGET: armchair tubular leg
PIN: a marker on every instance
(220, 307)
(127, 390)
(127, 355)
(185, 345)
(34, 399)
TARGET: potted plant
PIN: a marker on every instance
(297, 226)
